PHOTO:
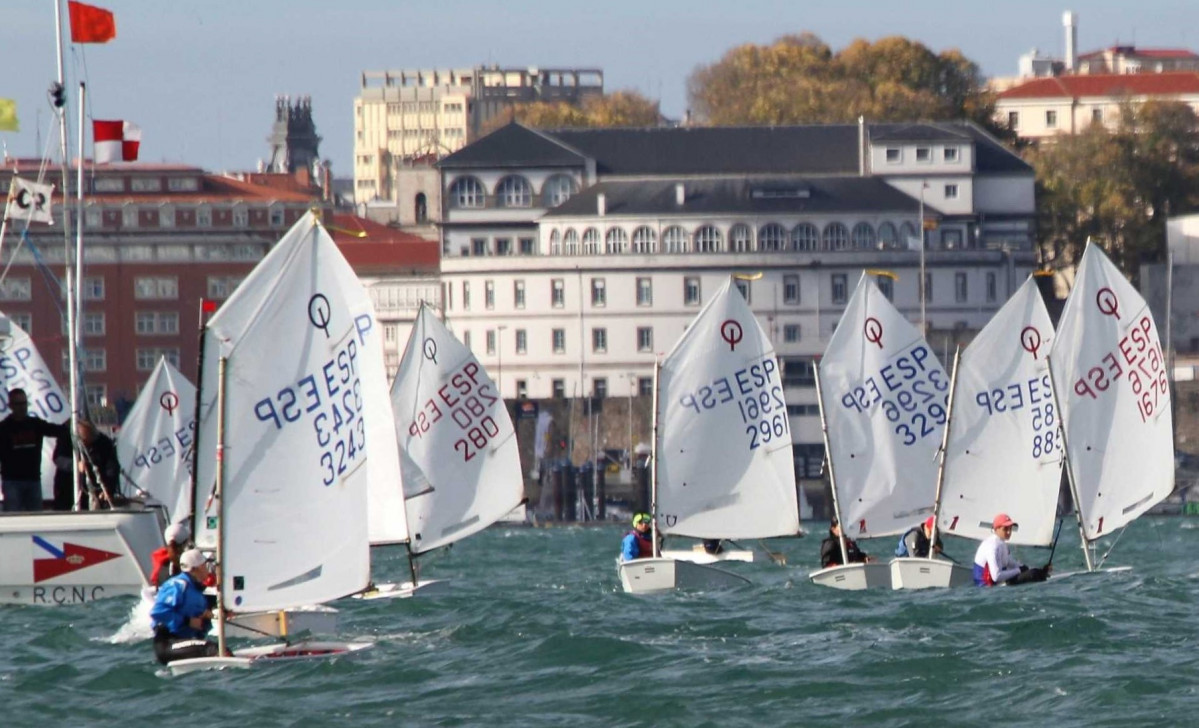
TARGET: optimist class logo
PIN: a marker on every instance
(71, 557)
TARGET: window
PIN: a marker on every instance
(514, 191)
(741, 239)
(465, 295)
(840, 288)
(156, 323)
(772, 237)
(928, 287)
(221, 287)
(599, 293)
(645, 338)
(951, 192)
(836, 237)
(522, 389)
(707, 240)
(558, 292)
(518, 294)
(147, 358)
(645, 386)
(491, 341)
(559, 388)
(591, 242)
(466, 340)
(791, 333)
(791, 289)
(559, 336)
(886, 286)
(959, 287)
(1013, 120)
(616, 241)
(1097, 115)
(887, 237)
(241, 218)
(674, 240)
(467, 192)
(645, 240)
(744, 287)
(478, 247)
(129, 217)
(522, 341)
(97, 395)
(805, 236)
(863, 235)
(909, 237)
(992, 287)
(203, 218)
(555, 242)
(691, 293)
(951, 239)
(23, 321)
(94, 360)
(570, 242)
(557, 189)
(1051, 119)
(16, 288)
(527, 246)
(166, 216)
(894, 156)
(503, 246)
(489, 294)
(599, 387)
(924, 154)
(599, 340)
(160, 287)
(950, 154)
(645, 292)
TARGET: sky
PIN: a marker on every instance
(200, 78)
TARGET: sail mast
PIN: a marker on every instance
(828, 458)
(953, 388)
(1082, 533)
(653, 473)
(220, 502)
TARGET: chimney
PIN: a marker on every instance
(601, 204)
(1070, 22)
(680, 194)
(861, 146)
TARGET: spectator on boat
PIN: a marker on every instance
(915, 541)
(993, 563)
(166, 559)
(830, 548)
(21, 453)
(638, 543)
(181, 617)
(99, 471)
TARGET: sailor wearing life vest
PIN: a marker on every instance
(638, 543)
(993, 563)
(181, 616)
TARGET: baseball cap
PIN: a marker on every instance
(928, 522)
(1002, 520)
(191, 559)
(177, 533)
(642, 518)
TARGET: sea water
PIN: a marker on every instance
(536, 632)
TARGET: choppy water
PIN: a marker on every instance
(538, 633)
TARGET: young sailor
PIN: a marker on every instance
(915, 541)
(993, 563)
(181, 616)
(638, 543)
(165, 561)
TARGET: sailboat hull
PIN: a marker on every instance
(699, 556)
(254, 656)
(652, 576)
(405, 590)
(317, 619)
(917, 573)
(854, 577)
(57, 558)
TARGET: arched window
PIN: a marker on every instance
(557, 189)
(836, 237)
(467, 192)
(863, 235)
(555, 243)
(772, 238)
(908, 237)
(421, 211)
(674, 240)
(887, 235)
(570, 242)
(707, 239)
(591, 242)
(805, 236)
(741, 238)
(514, 191)
(616, 241)
(645, 240)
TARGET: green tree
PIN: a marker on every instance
(620, 108)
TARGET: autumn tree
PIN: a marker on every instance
(620, 108)
(799, 80)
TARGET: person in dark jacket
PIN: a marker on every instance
(99, 471)
(21, 453)
(181, 616)
(830, 549)
(915, 541)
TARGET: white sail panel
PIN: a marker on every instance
(155, 444)
(885, 396)
(304, 361)
(725, 467)
(458, 450)
(22, 367)
(1004, 453)
(1111, 379)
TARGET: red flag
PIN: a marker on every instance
(115, 141)
(90, 24)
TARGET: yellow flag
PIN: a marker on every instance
(8, 115)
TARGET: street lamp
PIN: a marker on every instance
(499, 362)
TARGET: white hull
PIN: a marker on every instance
(697, 555)
(404, 590)
(651, 576)
(918, 573)
(854, 577)
(253, 656)
(1109, 570)
(52, 558)
(302, 620)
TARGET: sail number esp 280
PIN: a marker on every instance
(469, 400)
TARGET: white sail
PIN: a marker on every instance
(885, 398)
(725, 464)
(1004, 453)
(304, 377)
(458, 450)
(22, 367)
(1111, 379)
(155, 444)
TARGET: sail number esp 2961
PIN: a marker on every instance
(759, 398)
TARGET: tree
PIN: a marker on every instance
(620, 108)
(799, 80)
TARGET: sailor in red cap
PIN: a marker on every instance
(916, 541)
(993, 563)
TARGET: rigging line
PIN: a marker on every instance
(1112, 547)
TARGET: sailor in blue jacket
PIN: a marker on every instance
(180, 616)
(638, 544)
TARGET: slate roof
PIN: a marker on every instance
(725, 196)
(513, 145)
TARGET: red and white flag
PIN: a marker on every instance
(116, 141)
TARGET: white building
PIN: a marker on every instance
(570, 259)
